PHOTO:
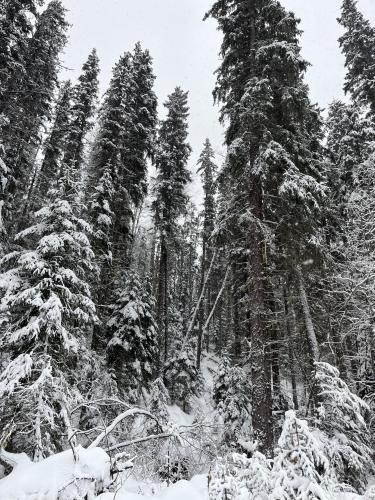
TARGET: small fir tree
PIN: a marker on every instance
(230, 396)
(133, 347)
(341, 415)
(300, 466)
(46, 313)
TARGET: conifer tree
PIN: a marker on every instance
(105, 169)
(133, 346)
(139, 142)
(31, 105)
(342, 416)
(84, 99)
(207, 169)
(54, 148)
(170, 198)
(273, 166)
(46, 313)
(300, 468)
(356, 44)
(16, 24)
(231, 398)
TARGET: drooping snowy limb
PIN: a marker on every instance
(144, 439)
(198, 304)
(127, 414)
(183, 429)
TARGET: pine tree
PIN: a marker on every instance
(300, 467)
(356, 44)
(342, 416)
(84, 99)
(133, 348)
(207, 169)
(273, 168)
(46, 313)
(31, 105)
(170, 198)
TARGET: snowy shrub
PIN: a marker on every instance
(300, 469)
(241, 478)
(341, 417)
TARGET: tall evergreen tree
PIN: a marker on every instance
(84, 99)
(16, 24)
(273, 163)
(207, 169)
(356, 44)
(105, 167)
(54, 148)
(170, 197)
(29, 107)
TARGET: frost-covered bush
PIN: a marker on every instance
(341, 415)
(241, 478)
(301, 470)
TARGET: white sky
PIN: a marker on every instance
(185, 50)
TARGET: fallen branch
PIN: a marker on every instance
(127, 414)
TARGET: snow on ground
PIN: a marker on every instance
(195, 489)
(46, 480)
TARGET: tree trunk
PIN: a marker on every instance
(290, 329)
(162, 303)
(311, 336)
(261, 372)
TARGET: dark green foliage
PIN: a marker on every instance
(357, 45)
(31, 105)
(132, 348)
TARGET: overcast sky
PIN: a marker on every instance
(185, 49)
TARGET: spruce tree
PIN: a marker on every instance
(105, 170)
(173, 175)
(341, 415)
(29, 107)
(16, 25)
(356, 44)
(84, 99)
(272, 173)
(133, 346)
(231, 399)
(54, 148)
(300, 469)
(46, 314)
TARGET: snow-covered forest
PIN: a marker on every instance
(154, 347)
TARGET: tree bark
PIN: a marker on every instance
(311, 336)
(261, 370)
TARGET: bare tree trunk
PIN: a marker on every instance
(311, 336)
